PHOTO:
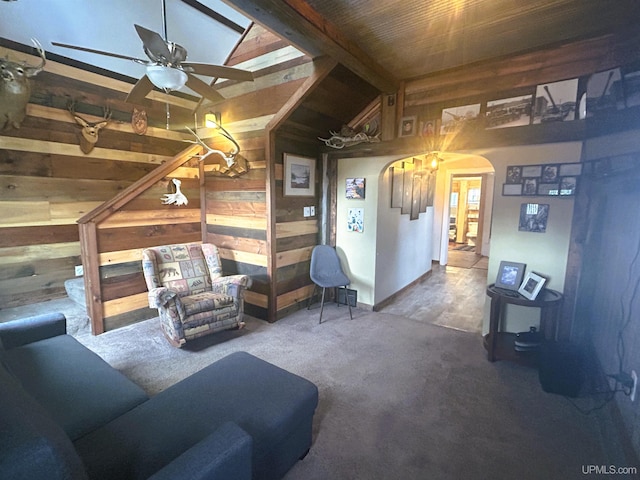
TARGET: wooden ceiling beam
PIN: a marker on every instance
(307, 30)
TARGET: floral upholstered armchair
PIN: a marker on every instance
(193, 298)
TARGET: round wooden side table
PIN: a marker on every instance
(500, 345)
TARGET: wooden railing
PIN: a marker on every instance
(115, 232)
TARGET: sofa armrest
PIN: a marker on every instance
(225, 454)
(31, 329)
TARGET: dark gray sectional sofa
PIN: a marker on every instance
(66, 414)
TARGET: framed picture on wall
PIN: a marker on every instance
(299, 176)
(355, 220)
(355, 188)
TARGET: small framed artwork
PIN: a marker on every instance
(570, 169)
(299, 176)
(533, 217)
(355, 220)
(510, 275)
(408, 126)
(568, 186)
(514, 174)
(531, 285)
(549, 189)
(549, 173)
(512, 189)
(355, 188)
(529, 186)
(531, 170)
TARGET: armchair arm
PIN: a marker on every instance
(31, 329)
(225, 454)
(231, 284)
(160, 296)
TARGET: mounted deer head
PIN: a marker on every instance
(15, 88)
(90, 130)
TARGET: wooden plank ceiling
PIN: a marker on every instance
(381, 41)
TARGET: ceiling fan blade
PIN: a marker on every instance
(219, 71)
(197, 85)
(99, 52)
(140, 90)
(153, 42)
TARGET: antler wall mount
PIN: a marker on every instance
(89, 134)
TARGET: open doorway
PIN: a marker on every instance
(465, 223)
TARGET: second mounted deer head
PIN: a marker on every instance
(90, 130)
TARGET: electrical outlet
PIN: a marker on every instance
(312, 210)
(634, 377)
(79, 270)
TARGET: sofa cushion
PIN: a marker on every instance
(272, 405)
(78, 389)
(32, 445)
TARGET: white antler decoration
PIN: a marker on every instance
(230, 157)
(177, 198)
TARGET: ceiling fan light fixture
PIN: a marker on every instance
(166, 78)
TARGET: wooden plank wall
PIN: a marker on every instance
(237, 210)
(47, 183)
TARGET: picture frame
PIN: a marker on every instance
(299, 178)
(408, 126)
(355, 220)
(355, 188)
(530, 186)
(549, 189)
(533, 217)
(549, 173)
(568, 186)
(570, 169)
(531, 170)
(514, 174)
(510, 275)
(531, 285)
(512, 189)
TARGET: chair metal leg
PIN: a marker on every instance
(346, 298)
(321, 305)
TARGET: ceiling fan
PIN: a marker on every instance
(167, 68)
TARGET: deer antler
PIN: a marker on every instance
(33, 71)
(230, 157)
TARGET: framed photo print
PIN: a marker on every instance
(355, 188)
(510, 275)
(549, 173)
(531, 285)
(408, 126)
(355, 220)
(299, 176)
(514, 174)
(512, 189)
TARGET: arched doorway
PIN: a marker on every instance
(475, 208)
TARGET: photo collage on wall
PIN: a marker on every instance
(549, 180)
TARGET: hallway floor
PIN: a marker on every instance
(452, 297)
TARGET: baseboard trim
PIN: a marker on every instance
(392, 297)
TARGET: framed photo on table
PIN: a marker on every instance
(510, 275)
(531, 285)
